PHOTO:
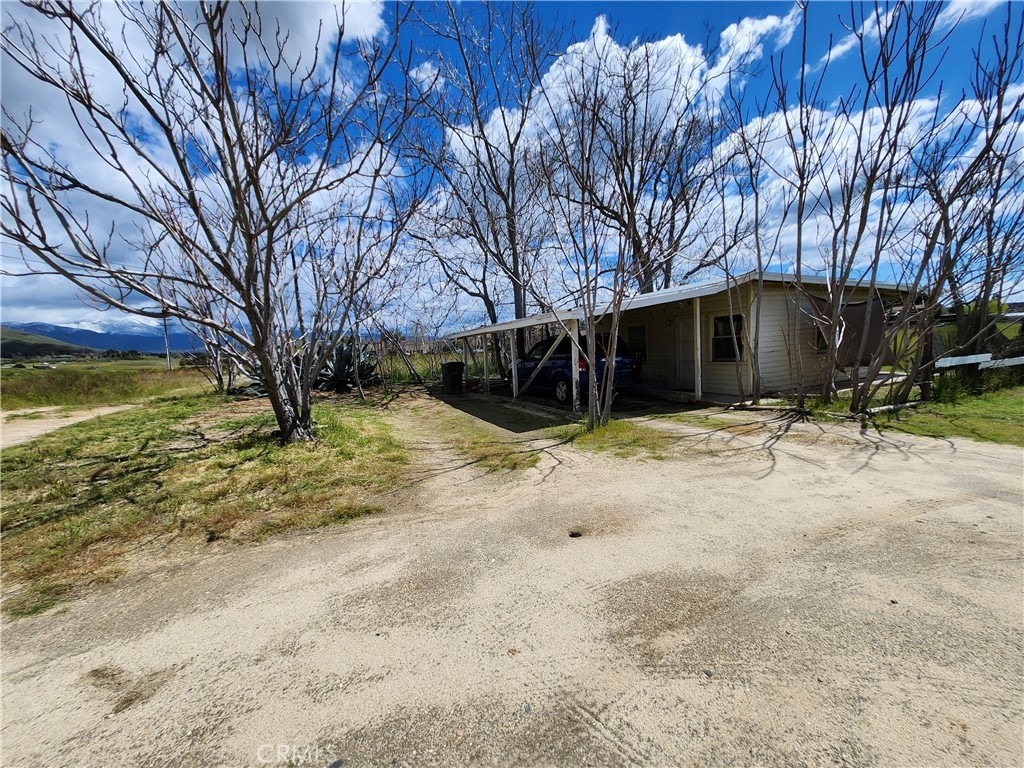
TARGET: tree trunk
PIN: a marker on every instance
(295, 421)
(291, 400)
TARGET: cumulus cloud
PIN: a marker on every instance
(742, 43)
(427, 77)
(302, 33)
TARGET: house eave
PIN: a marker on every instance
(666, 296)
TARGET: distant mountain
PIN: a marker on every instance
(120, 335)
(15, 343)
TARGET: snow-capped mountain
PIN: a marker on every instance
(140, 334)
(131, 326)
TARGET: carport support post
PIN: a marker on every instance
(487, 372)
(574, 336)
(698, 389)
(466, 341)
(515, 367)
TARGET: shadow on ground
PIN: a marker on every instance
(518, 417)
(530, 412)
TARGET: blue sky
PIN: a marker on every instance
(51, 299)
(699, 22)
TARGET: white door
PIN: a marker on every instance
(684, 353)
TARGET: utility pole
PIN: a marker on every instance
(167, 339)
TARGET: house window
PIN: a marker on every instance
(724, 330)
(637, 340)
(820, 343)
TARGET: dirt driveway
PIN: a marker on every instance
(21, 426)
(812, 598)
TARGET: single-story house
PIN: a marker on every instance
(685, 335)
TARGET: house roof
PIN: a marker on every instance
(666, 296)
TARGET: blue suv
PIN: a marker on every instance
(554, 375)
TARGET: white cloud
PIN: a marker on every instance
(427, 77)
(741, 44)
(874, 25)
(957, 11)
(306, 33)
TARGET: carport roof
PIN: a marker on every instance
(667, 296)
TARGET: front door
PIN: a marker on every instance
(684, 353)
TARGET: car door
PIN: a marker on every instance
(557, 364)
(529, 363)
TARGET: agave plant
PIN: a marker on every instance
(339, 373)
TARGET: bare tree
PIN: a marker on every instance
(968, 174)
(247, 183)
(761, 210)
(656, 135)
(483, 230)
(888, 191)
(590, 249)
(900, 48)
(807, 139)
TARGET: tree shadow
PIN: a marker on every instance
(515, 416)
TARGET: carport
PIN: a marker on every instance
(570, 322)
(720, 341)
(573, 321)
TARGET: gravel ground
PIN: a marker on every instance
(789, 595)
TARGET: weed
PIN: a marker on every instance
(699, 419)
(996, 417)
(89, 386)
(621, 438)
(37, 598)
(488, 434)
(189, 468)
(951, 388)
(486, 446)
(29, 416)
(304, 520)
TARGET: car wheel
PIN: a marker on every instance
(563, 391)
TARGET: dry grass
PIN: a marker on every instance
(93, 383)
(488, 446)
(194, 469)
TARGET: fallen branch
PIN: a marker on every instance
(785, 408)
(872, 412)
(891, 408)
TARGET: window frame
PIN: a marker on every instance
(733, 330)
(637, 330)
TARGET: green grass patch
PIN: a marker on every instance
(620, 438)
(92, 385)
(29, 416)
(186, 469)
(481, 434)
(482, 446)
(699, 418)
(996, 417)
(23, 344)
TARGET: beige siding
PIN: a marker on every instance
(721, 376)
(786, 343)
(659, 323)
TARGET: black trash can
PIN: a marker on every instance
(451, 378)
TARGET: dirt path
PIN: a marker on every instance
(780, 595)
(26, 424)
